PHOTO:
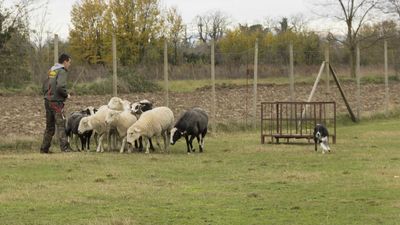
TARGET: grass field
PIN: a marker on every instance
(236, 181)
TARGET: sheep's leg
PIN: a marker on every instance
(96, 138)
(158, 143)
(123, 145)
(75, 138)
(202, 143)
(130, 147)
(151, 144)
(88, 142)
(146, 145)
(165, 136)
(83, 142)
(191, 143)
(187, 144)
(100, 143)
(108, 141)
(198, 137)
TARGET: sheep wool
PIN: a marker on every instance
(118, 104)
(96, 123)
(153, 123)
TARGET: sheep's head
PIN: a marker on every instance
(115, 103)
(84, 125)
(111, 117)
(146, 105)
(175, 135)
(136, 108)
(90, 110)
(133, 134)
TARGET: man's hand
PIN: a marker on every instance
(69, 96)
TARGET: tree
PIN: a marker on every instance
(175, 27)
(392, 7)
(211, 26)
(354, 13)
(88, 31)
(137, 25)
(14, 44)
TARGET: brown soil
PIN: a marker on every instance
(24, 115)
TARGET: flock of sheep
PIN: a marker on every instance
(136, 123)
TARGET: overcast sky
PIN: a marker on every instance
(241, 11)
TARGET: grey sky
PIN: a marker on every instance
(241, 11)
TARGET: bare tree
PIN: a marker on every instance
(354, 13)
(392, 7)
(211, 26)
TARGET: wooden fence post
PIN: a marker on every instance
(114, 54)
(386, 81)
(358, 77)
(166, 73)
(55, 48)
(255, 84)
(213, 107)
(291, 73)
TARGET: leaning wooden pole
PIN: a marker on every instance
(313, 90)
(353, 118)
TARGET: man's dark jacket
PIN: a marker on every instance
(55, 86)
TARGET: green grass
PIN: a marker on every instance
(236, 181)
(192, 85)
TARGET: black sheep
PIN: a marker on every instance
(72, 128)
(192, 124)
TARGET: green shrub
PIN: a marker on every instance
(128, 82)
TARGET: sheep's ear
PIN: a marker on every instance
(137, 130)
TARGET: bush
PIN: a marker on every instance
(128, 82)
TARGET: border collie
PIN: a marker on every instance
(321, 137)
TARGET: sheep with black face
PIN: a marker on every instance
(72, 124)
(192, 124)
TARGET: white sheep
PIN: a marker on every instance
(121, 121)
(96, 123)
(118, 104)
(153, 123)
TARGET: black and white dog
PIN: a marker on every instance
(321, 137)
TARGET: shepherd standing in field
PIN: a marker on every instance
(55, 93)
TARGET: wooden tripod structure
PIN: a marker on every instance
(332, 71)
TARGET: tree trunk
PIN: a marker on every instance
(352, 61)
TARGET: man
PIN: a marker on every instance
(55, 93)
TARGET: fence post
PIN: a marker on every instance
(327, 69)
(114, 54)
(213, 107)
(386, 81)
(358, 77)
(291, 73)
(55, 48)
(255, 85)
(166, 73)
